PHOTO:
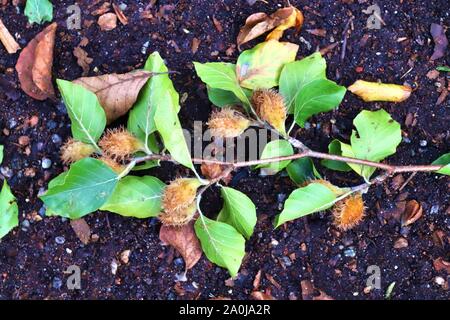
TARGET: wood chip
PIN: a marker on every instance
(81, 229)
(217, 25)
(195, 44)
(107, 22)
(8, 40)
(122, 17)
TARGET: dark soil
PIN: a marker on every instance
(32, 262)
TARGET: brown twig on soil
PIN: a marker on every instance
(345, 34)
(7, 39)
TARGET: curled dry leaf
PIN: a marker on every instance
(259, 295)
(107, 21)
(440, 264)
(83, 59)
(412, 213)
(116, 92)
(259, 23)
(184, 240)
(81, 229)
(375, 91)
(257, 280)
(34, 65)
(440, 41)
(122, 17)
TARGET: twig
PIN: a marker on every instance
(7, 39)
(345, 34)
(407, 181)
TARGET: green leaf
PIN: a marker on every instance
(313, 198)
(443, 68)
(377, 137)
(221, 243)
(260, 67)
(335, 148)
(317, 96)
(83, 189)
(9, 211)
(277, 148)
(296, 75)
(222, 98)
(86, 114)
(238, 211)
(169, 127)
(39, 11)
(138, 197)
(141, 118)
(443, 160)
(221, 75)
(302, 170)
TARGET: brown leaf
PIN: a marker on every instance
(317, 32)
(259, 23)
(375, 91)
(217, 25)
(440, 41)
(195, 44)
(259, 295)
(81, 229)
(34, 65)
(116, 92)
(413, 211)
(122, 17)
(107, 21)
(83, 59)
(184, 240)
(440, 264)
(257, 280)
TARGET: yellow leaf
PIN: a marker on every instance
(295, 19)
(375, 91)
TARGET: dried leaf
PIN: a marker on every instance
(34, 65)
(184, 240)
(374, 91)
(413, 211)
(259, 295)
(7, 39)
(122, 17)
(116, 92)
(103, 9)
(257, 280)
(259, 23)
(217, 25)
(81, 229)
(440, 264)
(195, 44)
(83, 59)
(107, 21)
(440, 41)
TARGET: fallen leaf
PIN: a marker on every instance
(440, 264)
(413, 211)
(122, 17)
(184, 240)
(259, 23)
(400, 243)
(317, 32)
(83, 60)
(116, 92)
(81, 229)
(440, 41)
(257, 280)
(34, 65)
(107, 21)
(433, 74)
(259, 295)
(217, 25)
(195, 44)
(375, 91)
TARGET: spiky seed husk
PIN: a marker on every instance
(178, 201)
(119, 143)
(269, 106)
(349, 212)
(74, 150)
(227, 123)
(113, 164)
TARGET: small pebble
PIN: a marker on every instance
(406, 140)
(57, 283)
(51, 124)
(56, 139)
(6, 172)
(350, 252)
(123, 6)
(12, 123)
(434, 209)
(423, 143)
(46, 163)
(145, 47)
(307, 125)
(439, 280)
(114, 266)
(25, 224)
(287, 262)
(274, 243)
(60, 240)
(178, 262)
